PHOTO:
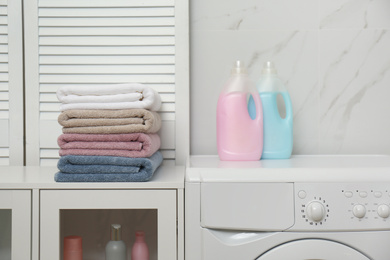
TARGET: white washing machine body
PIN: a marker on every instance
(307, 207)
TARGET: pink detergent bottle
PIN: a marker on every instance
(140, 249)
(239, 134)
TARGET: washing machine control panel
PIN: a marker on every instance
(342, 206)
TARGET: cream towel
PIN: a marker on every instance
(118, 96)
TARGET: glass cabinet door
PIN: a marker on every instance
(90, 213)
(15, 224)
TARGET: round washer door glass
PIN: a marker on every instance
(312, 249)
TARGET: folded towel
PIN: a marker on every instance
(78, 168)
(109, 121)
(124, 145)
(118, 96)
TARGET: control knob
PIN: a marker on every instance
(383, 211)
(359, 211)
(315, 211)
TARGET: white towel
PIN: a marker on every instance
(118, 96)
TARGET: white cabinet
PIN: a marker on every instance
(15, 224)
(38, 213)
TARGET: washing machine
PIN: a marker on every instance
(303, 208)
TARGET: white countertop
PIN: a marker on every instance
(310, 168)
(27, 177)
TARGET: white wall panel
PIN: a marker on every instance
(85, 43)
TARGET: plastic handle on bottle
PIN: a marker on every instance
(255, 99)
(288, 104)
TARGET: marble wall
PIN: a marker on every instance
(333, 55)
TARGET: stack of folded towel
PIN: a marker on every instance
(109, 133)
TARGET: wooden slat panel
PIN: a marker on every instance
(3, 20)
(4, 48)
(4, 95)
(3, 57)
(106, 22)
(106, 12)
(3, 86)
(90, 31)
(106, 69)
(4, 105)
(4, 114)
(4, 161)
(100, 59)
(3, 38)
(4, 132)
(106, 40)
(52, 88)
(84, 43)
(49, 107)
(120, 50)
(105, 3)
(3, 76)
(49, 153)
(3, 29)
(4, 10)
(48, 162)
(4, 151)
(50, 78)
(3, 67)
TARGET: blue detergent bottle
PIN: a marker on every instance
(278, 130)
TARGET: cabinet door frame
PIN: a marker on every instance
(53, 201)
(19, 202)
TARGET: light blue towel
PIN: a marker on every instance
(81, 168)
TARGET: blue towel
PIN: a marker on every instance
(81, 168)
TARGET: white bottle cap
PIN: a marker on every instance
(239, 68)
(269, 68)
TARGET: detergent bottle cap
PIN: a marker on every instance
(269, 68)
(239, 68)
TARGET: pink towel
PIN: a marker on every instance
(124, 145)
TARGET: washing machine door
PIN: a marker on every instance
(312, 249)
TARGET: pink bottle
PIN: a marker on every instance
(140, 249)
(239, 137)
(73, 248)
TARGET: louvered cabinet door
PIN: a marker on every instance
(11, 83)
(88, 43)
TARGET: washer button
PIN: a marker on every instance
(302, 194)
(348, 194)
(363, 194)
(383, 211)
(359, 211)
(378, 194)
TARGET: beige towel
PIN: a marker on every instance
(98, 121)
